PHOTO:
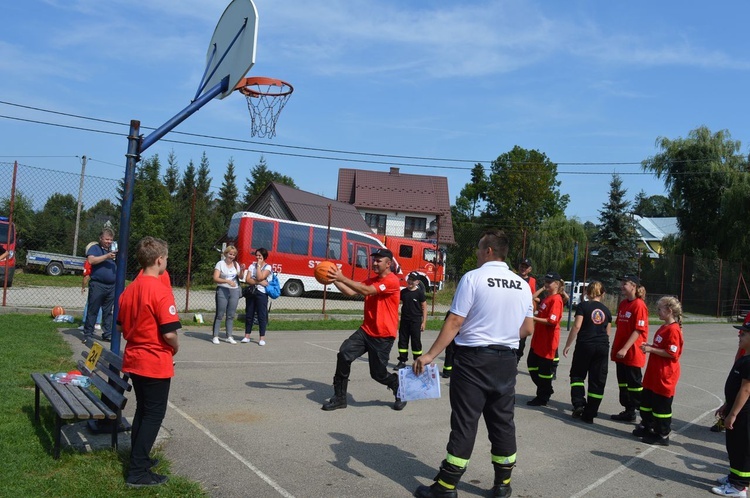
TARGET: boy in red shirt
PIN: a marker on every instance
(149, 323)
(662, 374)
(545, 340)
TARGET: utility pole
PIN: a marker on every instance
(80, 201)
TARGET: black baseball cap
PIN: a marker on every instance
(745, 327)
(525, 261)
(413, 276)
(552, 275)
(630, 278)
(382, 253)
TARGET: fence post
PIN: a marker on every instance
(718, 291)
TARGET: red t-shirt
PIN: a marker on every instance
(147, 310)
(631, 316)
(546, 336)
(662, 374)
(381, 309)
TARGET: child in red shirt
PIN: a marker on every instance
(149, 323)
(662, 374)
(545, 339)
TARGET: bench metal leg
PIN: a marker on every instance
(36, 404)
(115, 429)
(58, 431)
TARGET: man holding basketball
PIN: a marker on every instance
(377, 333)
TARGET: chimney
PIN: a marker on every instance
(394, 171)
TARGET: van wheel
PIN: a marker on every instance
(54, 269)
(293, 288)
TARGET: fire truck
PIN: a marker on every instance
(296, 248)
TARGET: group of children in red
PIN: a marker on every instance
(651, 393)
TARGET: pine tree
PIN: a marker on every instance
(228, 194)
(616, 239)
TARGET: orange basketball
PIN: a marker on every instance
(321, 272)
(57, 311)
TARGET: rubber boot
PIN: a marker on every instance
(502, 488)
(445, 483)
(339, 395)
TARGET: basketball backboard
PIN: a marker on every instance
(232, 48)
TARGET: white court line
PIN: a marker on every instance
(322, 347)
(236, 455)
(630, 462)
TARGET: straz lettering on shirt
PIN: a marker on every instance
(503, 283)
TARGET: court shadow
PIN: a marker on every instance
(319, 392)
(661, 473)
(389, 461)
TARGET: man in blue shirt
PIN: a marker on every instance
(101, 257)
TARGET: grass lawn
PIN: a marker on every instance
(31, 343)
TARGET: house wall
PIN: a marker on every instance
(396, 220)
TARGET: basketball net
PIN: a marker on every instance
(266, 97)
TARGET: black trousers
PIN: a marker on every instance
(738, 448)
(589, 360)
(409, 330)
(656, 412)
(378, 351)
(541, 373)
(483, 383)
(629, 381)
(151, 397)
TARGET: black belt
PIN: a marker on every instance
(492, 349)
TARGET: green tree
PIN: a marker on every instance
(697, 171)
(654, 206)
(616, 238)
(523, 190)
(554, 246)
(94, 219)
(151, 202)
(54, 225)
(172, 175)
(228, 194)
(473, 193)
(260, 177)
(23, 218)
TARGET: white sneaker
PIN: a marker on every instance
(97, 327)
(245, 340)
(262, 343)
(231, 340)
(215, 340)
(729, 490)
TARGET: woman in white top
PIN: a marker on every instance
(257, 303)
(226, 276)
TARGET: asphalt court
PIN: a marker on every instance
(245, 420)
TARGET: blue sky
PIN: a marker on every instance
(582, 81)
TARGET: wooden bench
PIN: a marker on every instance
(72, 403)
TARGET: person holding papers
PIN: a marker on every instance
(491, 311)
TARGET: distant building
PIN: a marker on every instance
(652, 231)
(287, 203)
(403, 205)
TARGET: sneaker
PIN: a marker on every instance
(577, 412)
(231, 340)
(723, 480)
(80, 328)
(148, 479)
(537, 402)
(729, 490)
(107, 338)
(215, 340)
(97, 327)
(245, 340)
(624, 416)
(261, 343)
(400, 365)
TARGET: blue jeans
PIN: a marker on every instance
(101, 296)
(257, 304)
(226, 304)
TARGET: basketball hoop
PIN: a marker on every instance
(266, 97)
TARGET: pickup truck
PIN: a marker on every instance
(54, 264)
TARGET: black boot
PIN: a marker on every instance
(445, 483)
(398, 405)
(502, 488)
(339, 395)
